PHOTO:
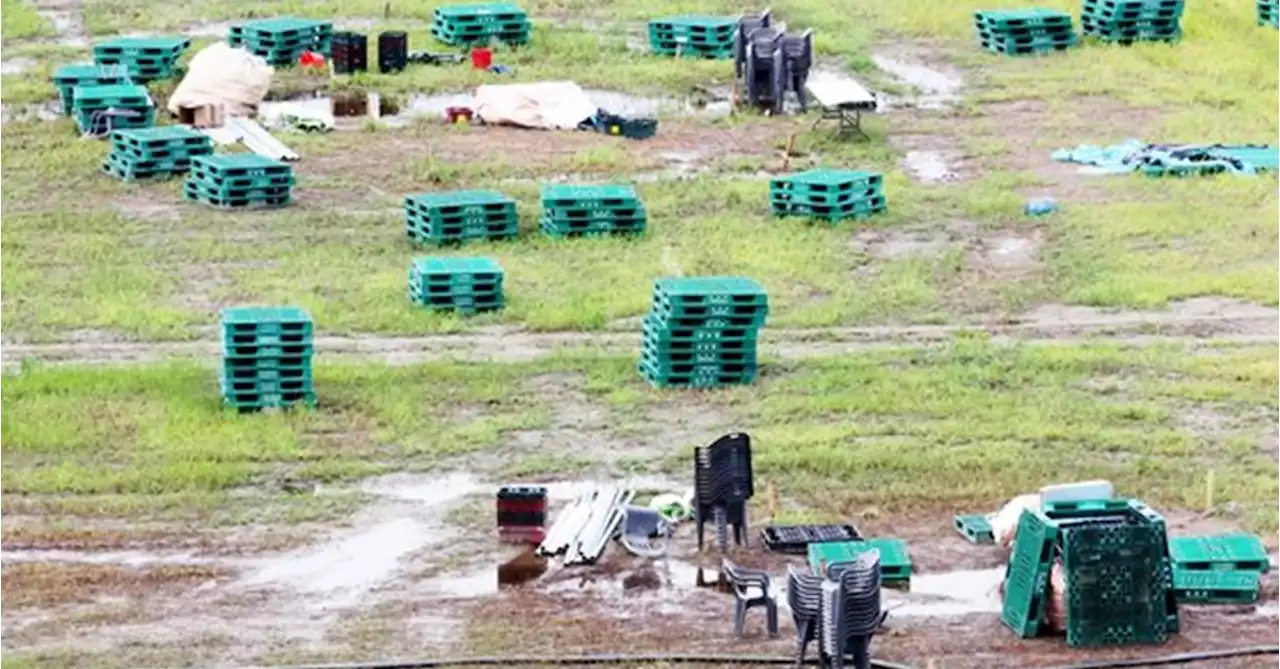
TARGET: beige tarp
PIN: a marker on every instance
(557, 105)
(222, 76)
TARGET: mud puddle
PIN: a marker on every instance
(16, 65)
(928, 166)
(937, 88)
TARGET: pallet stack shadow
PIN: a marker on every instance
(148, 153)
(723, 481)
(101, 109)
(1269, 13)
(1128, 21)
(68, 77)
(828, 195)
(239, 181)
(1222, 569)
(1024, 32)
(1115, 563)
(569, 210)
(478, 25)
(464, 285)
(459, 216)
(281, 41)
(693, 36)
(702, 332)
(522, 514)
(145, 58)
(266, 358)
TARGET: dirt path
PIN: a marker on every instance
(1226, 324)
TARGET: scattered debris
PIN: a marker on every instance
(1042, 206)
(1173, 159)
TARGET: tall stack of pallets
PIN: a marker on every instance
(239, 181)
(145, 58)
(701, 332)
(68, 77)
(480, 24)
(693, 36)
(1115, 562)
(463, 285)
(1128, 21)
(574, 210)
(828, 195)
(1269, 13)
(266, 358)
(1024, 32)
(282, 40)
(148, 153)
(459, 216)
(101, 109)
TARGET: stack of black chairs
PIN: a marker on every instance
(770, 62)
(393, 51)
(722, 484)
(850, 611)
(804, 598)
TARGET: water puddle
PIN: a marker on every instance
(68, 25)
(928, 166)
(937, 89)
(123, 558)
(954, 593)
(16, 65)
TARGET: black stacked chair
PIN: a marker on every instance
(770, 62)
(796, 59)
(722, 483)
(804, 598)
(746, 26)
(851, 610)
(750, 589)
(393, 51)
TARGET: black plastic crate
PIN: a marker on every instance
(795, 539)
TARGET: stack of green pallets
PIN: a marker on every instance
(1022, 32)
(239, 181)
(478, 25)
(1116, 566)
(282, 40)
(1221, 569)
(458, 216)
(1269, 13)
(701, 332)
(828, 195)
(101, 109)
(146, 58)
(693, 36)
(67, 77)
(464, 285)
(266, 358)
(1128, 21)
(571, 210)
(148, 153)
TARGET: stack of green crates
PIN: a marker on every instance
(571, 210)
(828, 195)
(1022, 32)
(693, 36)
(100, 109)
(147, 153)
(266, 358)
(146, 58)
(1115, 562)
(282, 40)
(1128, 21)
(238, 181)
(467, 25)
(1269, 13)
(67, 77)
(1221, 569)
(441, 218)
(464, 285)
(701, 332)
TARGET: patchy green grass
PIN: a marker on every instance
(21, 21)
(948, 429)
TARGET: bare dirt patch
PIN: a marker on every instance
(44, 584)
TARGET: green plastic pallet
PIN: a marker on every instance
(240, 165)
(1027, 576)
(895, 559)
(1216, 587)
(451, 269)
(1021, 17)
(465, 202)
(975, 528)
(1237, 551)
(1077, 508)
(256, 319)
(590, 197)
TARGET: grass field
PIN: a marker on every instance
(161, 507)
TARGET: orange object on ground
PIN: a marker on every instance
(311, 59)
(481, 58)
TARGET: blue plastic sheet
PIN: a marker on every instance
(1158, 159)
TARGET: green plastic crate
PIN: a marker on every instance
(1116, 585)
(1027, 576)
(1237, 551)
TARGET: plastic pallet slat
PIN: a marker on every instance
(1225, 552)
(1216, 587)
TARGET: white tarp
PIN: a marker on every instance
(219, 75)
(556, 105)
